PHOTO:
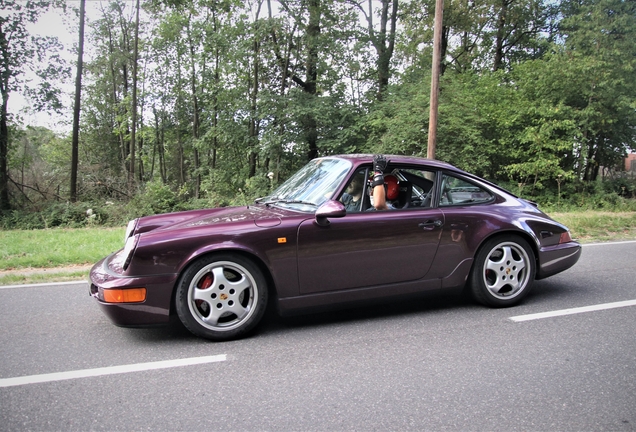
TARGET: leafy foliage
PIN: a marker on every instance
(235, 96)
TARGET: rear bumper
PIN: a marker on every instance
(154, 310)
(555, 259)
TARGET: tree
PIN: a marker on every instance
(133, 108)
(382, 39)
(600, 59)
(106, 100)
(480, 35)
(309, 83)
(19, 53)
(76, 105)
(518, 29)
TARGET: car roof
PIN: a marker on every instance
(359, 159)
(363, 158)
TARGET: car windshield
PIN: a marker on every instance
(314, 184)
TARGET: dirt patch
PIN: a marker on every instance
(51, 270)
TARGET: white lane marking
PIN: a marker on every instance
(609, 243)
(45, 284)
(563, 312)
(85, 373)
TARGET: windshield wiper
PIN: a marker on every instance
(276, 200)
(268, 202)
(297, 202)
(260, 200)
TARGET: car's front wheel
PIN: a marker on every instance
(503, 271)
(221, 297)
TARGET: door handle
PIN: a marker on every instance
(431, 224)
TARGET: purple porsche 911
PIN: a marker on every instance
(317, 241)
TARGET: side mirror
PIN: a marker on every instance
(329, 209)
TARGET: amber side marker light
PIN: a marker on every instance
(129, 295)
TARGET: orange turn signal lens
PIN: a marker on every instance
(128, 295)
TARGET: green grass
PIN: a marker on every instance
(57, 247)
(596, 226)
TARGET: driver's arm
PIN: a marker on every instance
(379, 191)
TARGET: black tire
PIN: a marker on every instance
(503, 271)
(221, 297)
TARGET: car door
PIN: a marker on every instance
(367, 249)
(467, 219)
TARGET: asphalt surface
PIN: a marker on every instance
(434, 364)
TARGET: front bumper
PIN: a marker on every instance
(154, 310)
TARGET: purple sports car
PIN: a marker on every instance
(316, 241)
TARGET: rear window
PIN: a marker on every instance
(456, 191)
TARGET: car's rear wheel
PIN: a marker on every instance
(221, 297)
(503, 271)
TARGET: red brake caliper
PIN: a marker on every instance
(204, 283)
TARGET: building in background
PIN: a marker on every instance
(630, 163)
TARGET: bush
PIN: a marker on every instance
(155, 198)
(576, 196)
(622, 186)
(221, 190)
(63, 214)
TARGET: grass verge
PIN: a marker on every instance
(54, 255)
(595, 226)
(57, 247)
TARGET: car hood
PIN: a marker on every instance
(262, 215)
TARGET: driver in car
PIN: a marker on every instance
(352, 197)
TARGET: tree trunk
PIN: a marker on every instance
(195, 114)
(76, 107)
(4, 152)
(313, 34)
(215, 98)
(253, 93)
(4, 130)
(385, 43)
(125, 47)
(162, 159)
(253, 132)
(443, 49)
(215, 113)
(122, 147)
(499, 41)
(156, 145)
(133, 138)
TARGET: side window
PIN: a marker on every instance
(455, 191)
(416, 187)
(353, 197)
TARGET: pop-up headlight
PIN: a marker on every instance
(130, 228)
(129, 248)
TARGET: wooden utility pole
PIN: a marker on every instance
(435, 69)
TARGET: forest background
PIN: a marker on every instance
(200, 103)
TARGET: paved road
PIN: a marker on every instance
(439, 364)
